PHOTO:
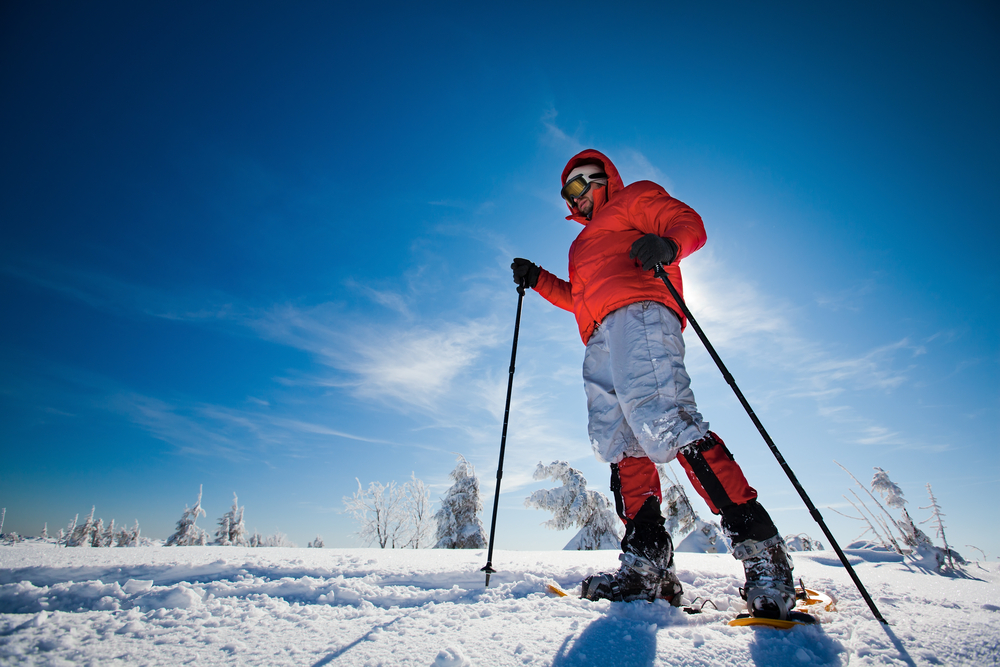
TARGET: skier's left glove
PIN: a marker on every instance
(651, 250)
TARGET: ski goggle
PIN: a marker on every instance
(579, 185)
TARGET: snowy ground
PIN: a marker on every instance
(227, 605)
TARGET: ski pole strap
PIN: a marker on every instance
(642, 565)
(751, 548)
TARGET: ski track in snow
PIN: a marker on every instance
(238, 606)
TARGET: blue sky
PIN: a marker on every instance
(265, 248)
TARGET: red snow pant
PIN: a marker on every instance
(716, 477)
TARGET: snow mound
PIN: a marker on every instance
(450, 657)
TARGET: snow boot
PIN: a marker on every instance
(637, 579)
(769, 589)
(647, 569)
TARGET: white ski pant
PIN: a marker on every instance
(639, 397)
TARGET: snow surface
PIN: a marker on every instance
(234, 605)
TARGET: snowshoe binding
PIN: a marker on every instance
(769, 590)
(638, 578)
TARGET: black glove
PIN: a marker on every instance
(651, 250)
(525, 272)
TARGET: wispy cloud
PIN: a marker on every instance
(441, 371)
(758, 327)
(106, 293)
(388, 298)
(416, 367)
(556, 137)
(635, 166)
(848, 299)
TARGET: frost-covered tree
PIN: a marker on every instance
(706, 538)
(885, 487)
(45, 532)
(232, 531)
(380, 512)
(689, 531)
(279, 539)
(188, 533)
(418, 508)
(222, 534)
(317, 543)
(678, 511)
(108, 535)
(914, 543)
(877, 523)
(802, 542)
(573, 504)
(937, 517)
(70, 529)
(82, 536)
(458, 523)
(256, 540)
(681, 517)
(921, 548)
(237, 529)
(128, 537)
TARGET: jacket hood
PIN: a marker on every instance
(591, 156)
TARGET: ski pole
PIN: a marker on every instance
(503, 437)
(662, 274)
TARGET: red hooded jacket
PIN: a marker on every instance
(602, 278)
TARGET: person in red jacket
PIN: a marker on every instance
(640, 405)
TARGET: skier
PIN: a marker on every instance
(640, 404)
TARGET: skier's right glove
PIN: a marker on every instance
(651, 250)
(525, 272)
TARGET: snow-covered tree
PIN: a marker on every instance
(937, 517)
(128, 537)
(706, 538)
(67, 535)
(877, 523)
(802, 542)
(45, 532)
(914, 543)
(317, 543)
(891, 493)
(222, 534)
(256, 540)
(417, 504)
(279, 539)
(573, 504)
(232, 531)
(82, 536)
(188, 533)
(237, 529)
(921, 548)
(681, 517)
(380, 512)
(107, 535)
(689, 531)
(458, 523)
